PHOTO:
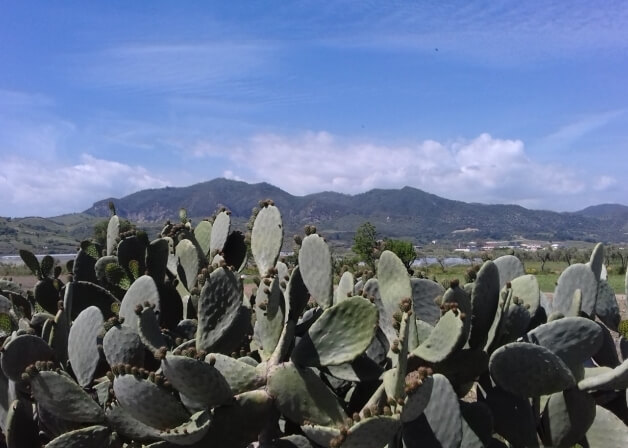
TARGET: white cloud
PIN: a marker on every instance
(483, 169)
(604, 183)
(32, 187)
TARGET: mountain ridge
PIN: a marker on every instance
(405, 212)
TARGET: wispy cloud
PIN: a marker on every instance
(572, 132)
(176, 68)
(497, 32)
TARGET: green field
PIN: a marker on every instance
(547, 279)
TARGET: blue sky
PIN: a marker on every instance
(483, 101)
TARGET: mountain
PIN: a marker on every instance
(399, 213)
(406, 213)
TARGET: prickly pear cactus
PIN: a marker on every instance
(388, 361)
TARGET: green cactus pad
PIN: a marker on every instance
(149, 331)
(424, 292)
(417, 400)
(344, 290)
(596, 261)
(63, 398)
(316, 269)
(83, 344)
(31, 261)
(21, 431)
(529, 370)
(606, 307)
(59, 334)
(374, 432)
(47, 294)
(394, 379)
(616, 379)
(124, 424)
(86, 294)
(360, 369)
(394, 282)
(572, 339)
(293, 441)
(319, 434)
(203, 234)
(477, 419)
(222, 318)
(513, 417)
(514, 323)
(484, 300)
(496, 329)
(526, 289)
(607, 430)
(567, 417)
(21, 352)
(144, 289)
(342, 333)
(463, 366)
(190, 432)
(266, 238)
(83, 268)
(196, 379)
(607, 354)
(577, 276)
(240, 376)
(189, 261)
(250, 411)
(132, 256)
(148, 402)
(122, 345)
(509, 267)
(157, 259)
(220, 231)
(235, 252)
(443, 413)
(90, 437)
(443, 339)
(113, 234)
(103, 272)
(270, 309)
(457, 296)
(296, 294)
(46, 265)
(302, 396)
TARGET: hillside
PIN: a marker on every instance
(403, 213)
(406, 212)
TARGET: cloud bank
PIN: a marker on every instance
(47, 189)
(483, 169)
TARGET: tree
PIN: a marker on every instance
(403, 249)
(543, 255)
(621, 255)
(365, 244)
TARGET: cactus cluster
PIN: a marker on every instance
(155, 343)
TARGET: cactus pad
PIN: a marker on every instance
(63, 398)
(83, 344)
(529, 370)
(316, 269)
(301, 395)
(266, 238)
(341, 334)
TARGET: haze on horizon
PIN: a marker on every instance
(493, 102)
